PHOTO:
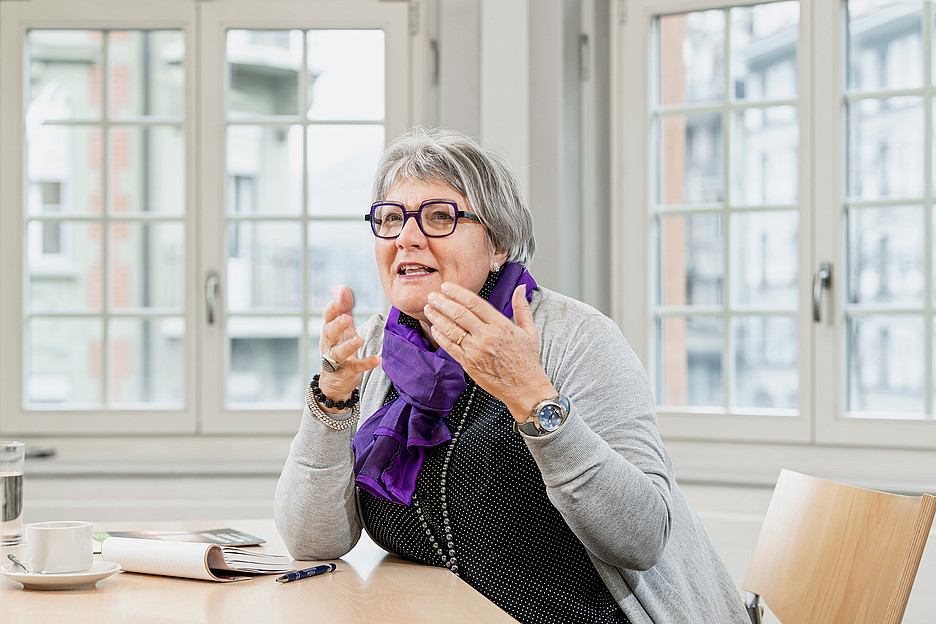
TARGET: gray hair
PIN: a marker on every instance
(478, 172)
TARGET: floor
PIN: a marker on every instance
(733, 515)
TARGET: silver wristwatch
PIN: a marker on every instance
(546, 417)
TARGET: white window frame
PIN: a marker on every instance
(203, 25)
(392, 17)
(821, 420)
(15, 21)
(832, 426)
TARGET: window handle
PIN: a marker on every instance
(211, 297)
(821, 279)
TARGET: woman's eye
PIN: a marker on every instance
(440, 216)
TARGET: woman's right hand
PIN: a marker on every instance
(341, 342)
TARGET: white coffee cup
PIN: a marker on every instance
(59, 547)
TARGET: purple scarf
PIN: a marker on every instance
(389, 448)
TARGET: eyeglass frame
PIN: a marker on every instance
(417, 214)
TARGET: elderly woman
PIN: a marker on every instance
(509, 431)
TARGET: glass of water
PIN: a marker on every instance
(12, 461)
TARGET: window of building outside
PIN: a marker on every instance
(124, 220)
(747, 199)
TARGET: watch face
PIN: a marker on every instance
(550, 417)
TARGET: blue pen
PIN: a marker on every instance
(295, 575)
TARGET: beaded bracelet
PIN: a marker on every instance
(321, 398)
(326, 418)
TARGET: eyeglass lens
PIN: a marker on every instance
(434, 219)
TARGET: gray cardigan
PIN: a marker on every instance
(606, 471)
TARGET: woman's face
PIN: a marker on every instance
(413, 265)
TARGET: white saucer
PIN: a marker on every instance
(73, 580)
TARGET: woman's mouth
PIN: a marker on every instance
(414, 269)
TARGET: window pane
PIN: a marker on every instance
(145, 75)
(346, 74)
(691, 361)
(765, 361)
(64, 74)
(312, 169)
(763, 51)
(147, 266)
(885, 148)
(885, 48)
(692, 260)
(692, 57)
(885, 364)
(690, 159)
(83, 254)
(147, 362)
(64, 363)
(343, 253)
(71, 157)
(886, 255)
(263, 72)
(68, 279)
(764, 156)
(264, 169)
(764, 265)
(146, 167)
(342, 161)
(264, 361)
(264, 266)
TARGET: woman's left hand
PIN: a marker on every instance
(501, 355)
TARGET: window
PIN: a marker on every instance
(150, 196)
(765, 159)
(299, 182)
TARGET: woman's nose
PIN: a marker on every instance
(410, 234)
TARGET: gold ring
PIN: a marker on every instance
(462, 337)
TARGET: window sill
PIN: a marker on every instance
(902, 471)
(51, 468)
(158, 457)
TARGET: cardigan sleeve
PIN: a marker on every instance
(606, 470)
(315, 506)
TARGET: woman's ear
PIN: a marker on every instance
(500, 257)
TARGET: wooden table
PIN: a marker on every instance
(368, 586)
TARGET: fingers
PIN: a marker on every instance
(343, 303)
(345, 298)
(523, 316)
(356, 366)
(447, 344)
(442, 325)
(335, 330)
(461, 307)
(338, 323)
(351, 366)
(471, 302)
(345, 349)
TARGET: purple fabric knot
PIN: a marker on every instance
(390, 447)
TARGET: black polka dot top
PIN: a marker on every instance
(481, 510)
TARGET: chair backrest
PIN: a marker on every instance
(831, 553)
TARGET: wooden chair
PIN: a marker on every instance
(835, 554)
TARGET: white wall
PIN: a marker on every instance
(510, 74)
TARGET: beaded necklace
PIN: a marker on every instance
(447, 555)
